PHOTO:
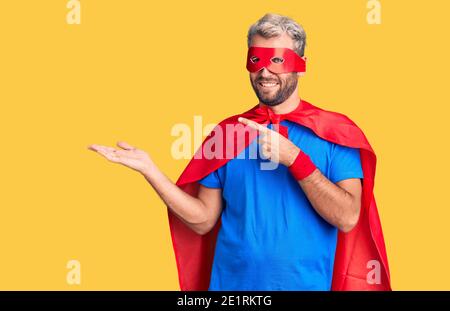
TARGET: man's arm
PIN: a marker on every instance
(199, 213)
(339, 204)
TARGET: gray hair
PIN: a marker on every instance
(274, 25)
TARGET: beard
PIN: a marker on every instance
(283, 90)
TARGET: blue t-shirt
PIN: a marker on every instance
(271, 238)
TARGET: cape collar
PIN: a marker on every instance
(268, 114)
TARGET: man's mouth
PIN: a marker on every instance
(268, 85)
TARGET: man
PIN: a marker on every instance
(238, 226)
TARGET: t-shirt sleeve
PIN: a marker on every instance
(345, 163)
(211, 180)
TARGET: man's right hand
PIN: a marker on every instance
(199, 213)
(128, 155)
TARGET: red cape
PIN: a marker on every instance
(194, 253)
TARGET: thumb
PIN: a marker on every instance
(125, 145)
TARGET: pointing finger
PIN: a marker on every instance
(253, 125)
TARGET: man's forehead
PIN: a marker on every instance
(282, 41)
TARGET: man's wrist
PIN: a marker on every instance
(293, 153)
(302, 166)
(149, 171)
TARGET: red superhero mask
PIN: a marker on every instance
(276, 60)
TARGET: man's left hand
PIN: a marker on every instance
(274, 146)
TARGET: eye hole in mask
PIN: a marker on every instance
(254, 59)
(277, 60)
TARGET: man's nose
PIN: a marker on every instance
(264, 72)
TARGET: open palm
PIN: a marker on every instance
(128, 155)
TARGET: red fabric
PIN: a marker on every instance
(194, 253)
(259, 57)
(302, 166)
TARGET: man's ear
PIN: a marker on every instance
(301, 74)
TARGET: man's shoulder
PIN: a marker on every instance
(321, 113)
(302, 135)
(334, 127)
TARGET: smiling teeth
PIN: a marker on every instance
(268, 84)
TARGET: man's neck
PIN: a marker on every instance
(287, 106)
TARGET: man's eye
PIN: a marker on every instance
(277, 60)
(254, 59)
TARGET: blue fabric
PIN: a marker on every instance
(271, 238)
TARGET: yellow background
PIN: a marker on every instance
(133, 69)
